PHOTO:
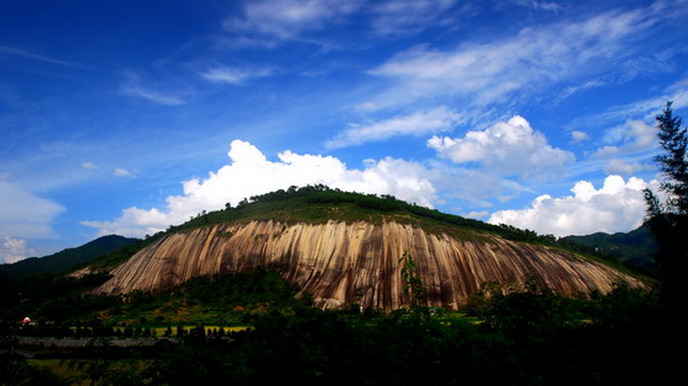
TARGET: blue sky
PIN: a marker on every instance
(128, 116)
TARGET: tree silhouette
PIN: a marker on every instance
(669, 219)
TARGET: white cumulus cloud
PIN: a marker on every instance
(250, 173)
(628, 138)
(506, 148)
(618, 206)
(477, 214)
(14, 249)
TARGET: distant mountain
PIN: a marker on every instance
(64, 260)
(635, 248)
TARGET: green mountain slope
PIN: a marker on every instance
(64, 260)
(635, 248)
(320, 204)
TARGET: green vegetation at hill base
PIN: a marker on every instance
(528, 337)
(223, 299)
(54, 297)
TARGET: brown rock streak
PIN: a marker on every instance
(342, 263)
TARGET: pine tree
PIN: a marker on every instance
(669, 219)
(673, 163)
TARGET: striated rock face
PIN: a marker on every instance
(342, 263)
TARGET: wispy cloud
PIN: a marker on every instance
(235, 76)
(241, 42)
(119, 172)
(571, 90)
(651, 63)
(25, 214)
(132, 85)
(419, 123)
(494, 71)
(288, 19)
(643, 110)
(551, 6)
(11, 51)
(153, 96)
(579, 136)
(89, 165)
(619, 166)
(407, 17)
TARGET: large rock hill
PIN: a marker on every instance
(342, 262)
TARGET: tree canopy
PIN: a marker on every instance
(669, 219)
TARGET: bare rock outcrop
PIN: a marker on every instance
(341, 263)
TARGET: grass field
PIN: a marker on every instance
(160, 331)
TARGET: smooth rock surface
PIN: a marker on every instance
(340, 263)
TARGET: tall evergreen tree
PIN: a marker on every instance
(673, 163)
(669, 219)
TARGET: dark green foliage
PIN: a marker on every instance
(530, 337)
(387, 203)
(673, 162)
(54, 298)
(222, 299)
(634, 249)
(669, 219)
(413, 285)
(231, 289)
(15, 371)
(319, 204)
(65, 260)
(122, 254)
(533, 313)
(314, 347)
